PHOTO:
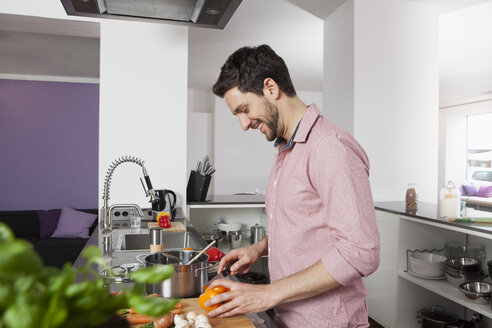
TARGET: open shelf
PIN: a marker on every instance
(445, 289)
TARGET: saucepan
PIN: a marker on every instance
(187, 280)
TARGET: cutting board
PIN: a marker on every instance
(175, 227)
(191, 304)
(238, 321)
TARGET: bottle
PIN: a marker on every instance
(411, 197)
(449, 201)
(156, 240)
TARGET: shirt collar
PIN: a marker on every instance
(302, 129)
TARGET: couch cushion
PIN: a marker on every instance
(469, 190)
(484, 191)
(48, 220)
(24, 224)
(74, 224)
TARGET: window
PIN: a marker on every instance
(479, 149)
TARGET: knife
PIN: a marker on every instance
(221, 275)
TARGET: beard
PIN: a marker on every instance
(271, 120)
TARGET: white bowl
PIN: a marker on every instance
(427, 264)
(229, 226)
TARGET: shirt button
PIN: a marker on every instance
(271, 215)
(274, 182)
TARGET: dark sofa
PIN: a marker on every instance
(54, 251)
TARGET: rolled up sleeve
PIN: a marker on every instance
(340, 174)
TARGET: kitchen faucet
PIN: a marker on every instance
(107, 224)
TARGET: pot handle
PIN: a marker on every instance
(207, 267)
(139, 256)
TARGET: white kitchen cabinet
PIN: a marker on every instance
(399, 233)
(382, 283)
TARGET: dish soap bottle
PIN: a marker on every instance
(449, 201)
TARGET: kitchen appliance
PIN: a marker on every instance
(200, 13)
(187, 280)
(166, 202)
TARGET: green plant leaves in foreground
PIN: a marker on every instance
(35, 296)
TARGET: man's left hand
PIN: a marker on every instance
(243, 298)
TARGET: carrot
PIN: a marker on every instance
(132, 311)
(138, 318)
(153, 295)
(176, 311)
(178, 306)
(165, 321)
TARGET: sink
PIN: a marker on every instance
(170, 240)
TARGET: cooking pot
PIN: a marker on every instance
(187, 280)
(436, 317)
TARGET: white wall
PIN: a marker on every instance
(338, 66)
(216, 132)
(143, 85)
(395, 83)
(143, 106)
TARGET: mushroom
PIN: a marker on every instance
(178, 318)
(203, 325)
(201, 318)
(191, 316)
(182, 324)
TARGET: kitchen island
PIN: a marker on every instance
(119, 257)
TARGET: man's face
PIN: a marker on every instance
(254, 112)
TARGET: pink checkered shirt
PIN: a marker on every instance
(319, 206)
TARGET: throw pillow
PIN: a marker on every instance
(73, 224)
(484, 191)
(469, 190)
(48, 220)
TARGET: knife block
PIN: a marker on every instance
(197, 187)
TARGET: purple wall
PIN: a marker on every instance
(48, 144)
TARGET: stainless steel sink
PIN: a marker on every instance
(171, 240)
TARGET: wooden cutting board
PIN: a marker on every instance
(191, 304)
(175, 227)
(238, 321)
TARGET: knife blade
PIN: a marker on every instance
(220, 275)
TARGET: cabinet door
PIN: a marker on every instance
(381, 285)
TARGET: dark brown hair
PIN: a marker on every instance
(248, 67)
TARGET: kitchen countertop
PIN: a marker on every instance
(231, 199)
(120, 257)
(430, 212)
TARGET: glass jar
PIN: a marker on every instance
(449, 201)
(411, 197)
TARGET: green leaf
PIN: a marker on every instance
(154, 274)
(92, 253)
(56, 314)
(152, 306)
(6, 234)
(18, 257)
(23, 316)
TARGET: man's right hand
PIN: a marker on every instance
(241, 259)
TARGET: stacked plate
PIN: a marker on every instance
(463, 269)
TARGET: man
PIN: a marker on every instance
(322, 228)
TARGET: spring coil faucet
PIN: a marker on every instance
(106, 210)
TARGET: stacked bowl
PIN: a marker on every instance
(464, 263)
(463, 269)
(426, 264)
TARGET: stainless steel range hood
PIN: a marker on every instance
(201, 13)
